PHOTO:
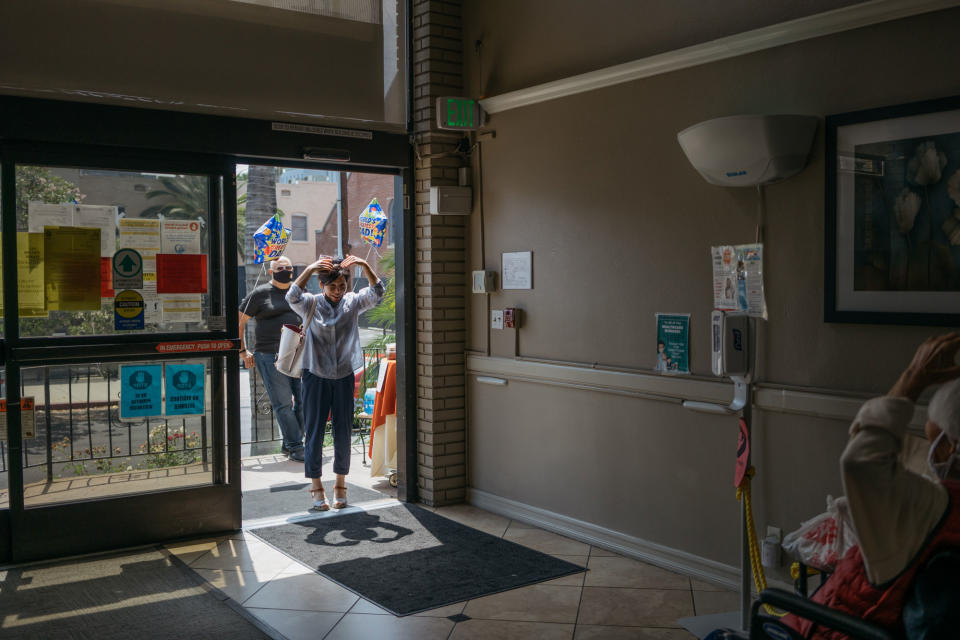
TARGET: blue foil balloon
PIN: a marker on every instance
(270, 240)
(373, 224)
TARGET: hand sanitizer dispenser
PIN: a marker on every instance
(730, 342)
(730, 337)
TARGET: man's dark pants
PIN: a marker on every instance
(285, 398)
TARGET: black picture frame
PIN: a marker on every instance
(892, 223)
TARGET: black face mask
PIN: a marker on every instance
(283, 276)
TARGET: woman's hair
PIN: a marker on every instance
(944, 409)
(331, 276)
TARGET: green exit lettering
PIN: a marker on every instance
(459, 113)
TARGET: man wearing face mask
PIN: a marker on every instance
(267, 304)
(906, 523)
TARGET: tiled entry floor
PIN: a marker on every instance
(617, 598)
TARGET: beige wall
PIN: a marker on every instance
(314, 200)
(621, 225)
(534, 41)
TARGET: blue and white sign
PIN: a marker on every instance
(184, 384)
(140, 391)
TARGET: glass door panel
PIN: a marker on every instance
(110, 429)
(120, 367)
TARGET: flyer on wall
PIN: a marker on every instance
(673, 343)
(738, 279)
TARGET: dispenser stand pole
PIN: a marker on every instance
(745, 570)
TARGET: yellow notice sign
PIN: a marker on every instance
(71, 277)
(29, 276)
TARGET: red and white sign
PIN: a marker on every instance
(28, 420)
(196, 345)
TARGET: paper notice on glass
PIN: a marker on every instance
(29, 276)
(181, 236)
(152, 310)
(28, 418)
(181, 273)
(143, 234)
(40, 215)
(182, 307)
(71, 275)
(738, 279)
(99, 217)
(139, 233)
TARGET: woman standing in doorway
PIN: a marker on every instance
(331, 355)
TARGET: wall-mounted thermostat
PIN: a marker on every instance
(484, 281)
(451, 201)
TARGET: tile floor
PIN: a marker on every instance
(617, 598)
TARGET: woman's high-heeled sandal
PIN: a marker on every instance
(321, 504)
(339, 497)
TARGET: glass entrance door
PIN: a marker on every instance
(120, 379)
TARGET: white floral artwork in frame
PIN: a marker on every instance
(896, 217)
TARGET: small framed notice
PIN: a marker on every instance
(516, 270)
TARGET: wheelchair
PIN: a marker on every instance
(931, 612)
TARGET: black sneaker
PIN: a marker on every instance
(296, 455)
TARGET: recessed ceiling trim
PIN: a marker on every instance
(815, 26)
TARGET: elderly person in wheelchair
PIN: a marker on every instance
(903, 579)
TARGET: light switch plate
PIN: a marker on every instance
(496, 319)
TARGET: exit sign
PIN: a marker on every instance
(459, 114)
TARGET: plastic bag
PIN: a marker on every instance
(821, 541)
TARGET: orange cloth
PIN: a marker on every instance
(385, 402)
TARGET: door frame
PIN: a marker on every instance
(51, 132)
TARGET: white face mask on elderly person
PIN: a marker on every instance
(941, 469)
(943, 429)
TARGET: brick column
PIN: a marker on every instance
(441, 258)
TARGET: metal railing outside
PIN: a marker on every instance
(83, 431)
(262, 421)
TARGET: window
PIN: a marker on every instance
(285, 193)
(298, 227)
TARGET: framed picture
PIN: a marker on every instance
(893, 215)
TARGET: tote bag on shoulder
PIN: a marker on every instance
(293, 339)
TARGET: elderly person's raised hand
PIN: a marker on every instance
(933, 363)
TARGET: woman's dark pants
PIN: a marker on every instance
(320, 396)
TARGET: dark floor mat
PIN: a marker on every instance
(294, 498)
(143, 595)
(407, 559)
